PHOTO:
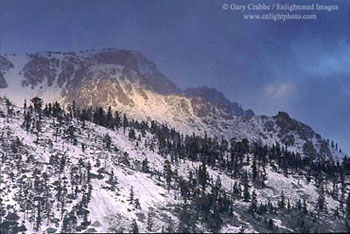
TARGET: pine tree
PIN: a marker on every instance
(282, 202)
(145, 167)
(270, 224)
(254, 203)
(288, 205)
(117, 120)
(236, 189)
(112, 181)
(2, 210)
(262, 209)
(304, 207)
(254, 170)
(83, 147)
(347, 208)
(321, 201)
(71, 135)
(202, 176)
(38, 217)
(137, 203)
(246, 194)
(107, 139)
(131, 196)
(242, 229)
(184, 221)
(132, 135)
(150, 215)
(125, 122)
(134, 227)
(109, 118)
(170, 228)
(37, 103)
(74, 109)
(167, 172)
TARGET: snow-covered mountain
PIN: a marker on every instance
(61, 173)
(127, 81)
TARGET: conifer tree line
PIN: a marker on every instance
(205, 199)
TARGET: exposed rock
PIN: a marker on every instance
(128, 81)
(3, 83)
(249, 113)
(39, 69)
(288, 140)
(149, 76)
(68, 70)
(5, 65)
(200, 108)
(324, 149)
(214, 96)
(51, 230)
(309, 150)
(96, 224)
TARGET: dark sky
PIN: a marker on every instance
(298, 66)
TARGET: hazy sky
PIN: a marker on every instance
(301, 67)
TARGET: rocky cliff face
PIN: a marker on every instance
(214, 96)
(3, 83)
(5, 65)
(129, 82)
(71, 69)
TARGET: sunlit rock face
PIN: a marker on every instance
(128, 82)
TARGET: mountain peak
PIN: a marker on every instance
(215, 96)
(281, 115)
(128, 82)
(73, 67)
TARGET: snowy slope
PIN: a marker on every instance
(129, 82)
(26, 159)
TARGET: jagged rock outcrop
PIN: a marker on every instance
(127, 81)
(214, 96)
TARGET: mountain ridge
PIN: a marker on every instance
(128, 81)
